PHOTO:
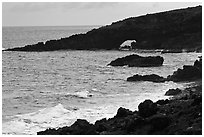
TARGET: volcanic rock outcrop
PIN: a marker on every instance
(138, 61)
(188, 73)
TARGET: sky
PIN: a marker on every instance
(80, 13)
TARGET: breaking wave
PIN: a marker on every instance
(54, 117)
(81, 94)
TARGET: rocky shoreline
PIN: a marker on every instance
(179, 115)
(188, 73)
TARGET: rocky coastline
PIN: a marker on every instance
(174, 30)
(188, 73)
(179, 115)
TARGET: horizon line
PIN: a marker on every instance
(49, 25)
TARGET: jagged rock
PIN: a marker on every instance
(122, 112)
(50, 131)
(138, 61)
(80, 127)
(147, 108)
(101, 125)
(188, 73)
(152, 77)
(177, 117)
(172, 92)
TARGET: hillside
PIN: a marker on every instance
(176, 29)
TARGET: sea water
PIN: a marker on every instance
(43, 90)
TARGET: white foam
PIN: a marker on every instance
(81, 94)
(37, 121)
(54, 117)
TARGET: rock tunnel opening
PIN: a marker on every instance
(127, 45)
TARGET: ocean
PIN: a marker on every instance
(43, 90)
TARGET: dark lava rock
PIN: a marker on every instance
(162, 102)
(152, 77)
(159, 122)
(134, 124)
(188, 73)
(147, 108)
(54, 131)
(138, 61)
(80, 127)
(122, 112)
(101, 125)
(172, 92)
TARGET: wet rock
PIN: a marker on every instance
(152, 77)
(138, 61)
(147, 108)
(82, 127)
(53, 131)
(172, 92)
(122, 112)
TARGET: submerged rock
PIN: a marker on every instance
(138, 61)
(152, 77)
